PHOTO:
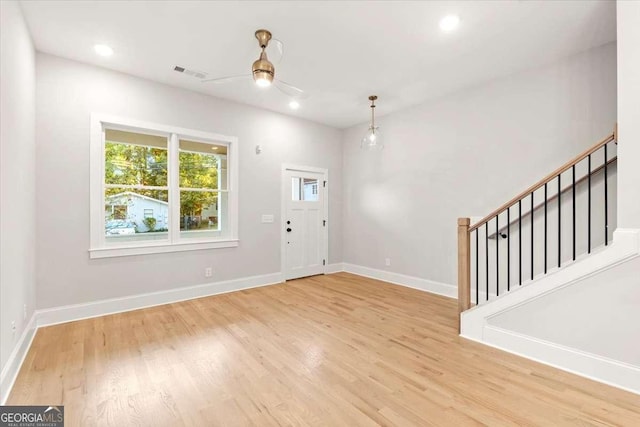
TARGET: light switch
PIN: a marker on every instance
(267, 219)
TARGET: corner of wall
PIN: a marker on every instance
(17, 145)
(12, 367)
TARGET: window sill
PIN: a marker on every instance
(120, 251)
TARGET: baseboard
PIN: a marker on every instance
(584, 364)
(12, 367)
(334, 268)
(70, 313)
(403, 280)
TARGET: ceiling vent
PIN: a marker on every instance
(197, 74)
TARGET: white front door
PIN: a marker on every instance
(304, 223)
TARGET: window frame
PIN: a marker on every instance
(99, 248)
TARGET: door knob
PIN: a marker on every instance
(288, 230)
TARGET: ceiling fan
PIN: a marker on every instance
(263, 71)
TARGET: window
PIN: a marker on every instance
(163, 189)
(135, 179)
(203, 189)
(304, 189)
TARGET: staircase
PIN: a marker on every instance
(547, 240)
(534, 233)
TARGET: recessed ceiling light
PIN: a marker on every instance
(103, 50)
(449, 23)
(294, 105)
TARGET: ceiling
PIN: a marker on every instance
(339, 52)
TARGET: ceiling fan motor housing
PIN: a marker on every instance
(263, 68)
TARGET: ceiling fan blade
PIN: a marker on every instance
(289, 89)
(228, 79)
(277, 52)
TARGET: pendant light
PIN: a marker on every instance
(372, 139)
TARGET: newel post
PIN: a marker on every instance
(464, 266)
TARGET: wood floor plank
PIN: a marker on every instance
(334, 350)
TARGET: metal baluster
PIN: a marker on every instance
(545, 228)
(477, 275)
(520, 241)
(573, 195)
(508, 250)
(559, 223)
(606, 204)
(497, 258)
(486, 256)
(589, 203)
(531, 217)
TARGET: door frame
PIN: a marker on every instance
(284, 195)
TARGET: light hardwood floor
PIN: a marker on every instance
(336, 350)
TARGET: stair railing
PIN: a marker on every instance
(599, 160)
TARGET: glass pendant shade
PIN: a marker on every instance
(372, 140)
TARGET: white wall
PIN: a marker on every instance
(464, 155)
(628, 16)
(598, 315)
(68, 92)
(17, 157)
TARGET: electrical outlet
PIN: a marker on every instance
(208, 272)
(24, 312)
(387, 262)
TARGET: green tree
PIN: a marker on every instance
(197, 171)
(136, 165)
(127, 164)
